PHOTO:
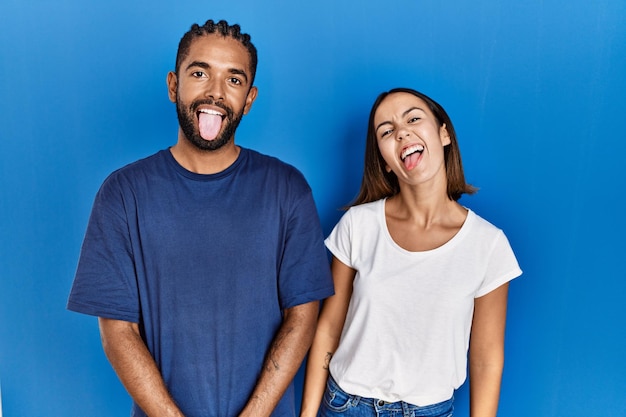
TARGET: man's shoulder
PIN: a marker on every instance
(140, 166)
(271, 173)
(265, 159)
(146, 163)
(274, 164)
(135, 173)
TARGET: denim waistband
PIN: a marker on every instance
(381, 405)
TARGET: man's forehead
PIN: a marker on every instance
(216, 41)
(218, 48)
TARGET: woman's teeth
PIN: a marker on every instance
(411, 149)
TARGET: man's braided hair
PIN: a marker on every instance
(221, 28)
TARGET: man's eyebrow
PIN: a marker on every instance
(407, 111)
(241, 72)
(204, 65)
(199, 64)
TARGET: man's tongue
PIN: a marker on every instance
(209, 125)
(411, 160)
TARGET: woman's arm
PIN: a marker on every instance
(284, 358)
(136, 368)
(486, 356)
(329, 327)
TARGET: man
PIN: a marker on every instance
(205, 262)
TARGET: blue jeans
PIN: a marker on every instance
(337, 403)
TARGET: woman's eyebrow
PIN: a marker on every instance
(407, 111)
(411, 109)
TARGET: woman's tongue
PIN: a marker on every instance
(411, 160)
(209, 125)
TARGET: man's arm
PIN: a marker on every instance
(283, 359)
(136, 368)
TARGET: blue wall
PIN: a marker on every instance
(537, 91)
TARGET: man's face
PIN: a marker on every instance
(212, 90)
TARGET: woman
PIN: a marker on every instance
(416, 274)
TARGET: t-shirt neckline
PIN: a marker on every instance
(243, 155)
(450, 243)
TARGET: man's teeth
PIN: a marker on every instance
(411, 149)
(209, 111)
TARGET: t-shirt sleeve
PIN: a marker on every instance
(502, 266)
(304, 273)
(105, 284)
(339, 242)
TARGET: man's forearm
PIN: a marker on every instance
(136, 368)
(283, 359)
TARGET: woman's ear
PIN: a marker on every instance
(444, 135)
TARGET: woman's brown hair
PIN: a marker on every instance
(377, 183)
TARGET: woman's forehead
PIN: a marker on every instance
(398, 103)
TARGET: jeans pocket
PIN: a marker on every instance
(336, 400)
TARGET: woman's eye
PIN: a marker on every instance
(385, 133)
(413, 119)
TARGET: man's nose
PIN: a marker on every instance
(214, 90)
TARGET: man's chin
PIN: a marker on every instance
(208, 145)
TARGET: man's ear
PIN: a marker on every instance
(172, 86)
(250, 99)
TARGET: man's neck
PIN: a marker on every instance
(204, 162)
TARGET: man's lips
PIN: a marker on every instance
(213, 112)
(211, 107)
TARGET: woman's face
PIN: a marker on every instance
(410, 139)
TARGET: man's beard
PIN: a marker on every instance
(187, 119)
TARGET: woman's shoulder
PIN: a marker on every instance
(482, 226)
(367, 208)
(361, 214)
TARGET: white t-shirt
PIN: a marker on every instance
(408, 325)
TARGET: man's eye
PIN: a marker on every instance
(235, 81)
(197, 74)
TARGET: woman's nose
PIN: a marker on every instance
(402, 133)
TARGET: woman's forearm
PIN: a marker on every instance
(485, 382)
(316, 373)
(327, 335)
(284, 358)
(486, 355)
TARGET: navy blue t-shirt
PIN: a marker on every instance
(205, 264)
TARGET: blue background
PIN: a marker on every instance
(537, 92)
